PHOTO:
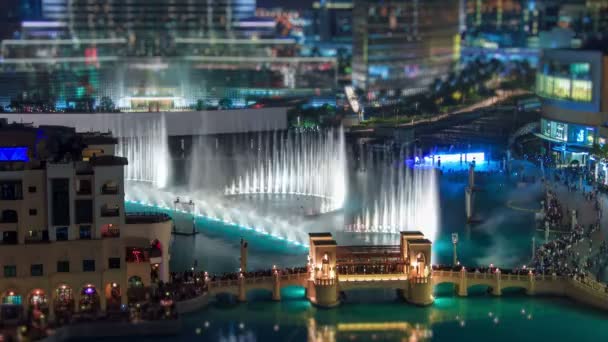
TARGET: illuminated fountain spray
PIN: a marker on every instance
(308, 164)
(145, 144)
(402, 198)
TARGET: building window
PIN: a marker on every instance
(9, 216)
(10, 271)
(60, 201)
(33, 212)
(84, 211)
(9, 237)
(85, 232)
(36, 270)
(83, 187)
(11, 190)
(61, 233)
(31, 189)
(113, 262)
(63, 266)
(88, 265)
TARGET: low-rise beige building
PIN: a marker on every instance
(66, 242)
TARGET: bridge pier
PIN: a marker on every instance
(310, 289)
(326, 291)
(461, 291)
(242, 297)
(497, 288)
(276, 287)
(531, 289)
(461, 287)
(420, 291)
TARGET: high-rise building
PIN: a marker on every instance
(333, 20)
(110, 18)
(163, 54)
(402, 46)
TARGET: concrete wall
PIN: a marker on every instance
(115, 329)
(193, 304)
(177, 123)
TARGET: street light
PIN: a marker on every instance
(454, 244)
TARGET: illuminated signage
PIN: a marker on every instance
(457, 157)
(13, 154)
(568, 133)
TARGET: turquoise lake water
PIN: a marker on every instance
(503, 237)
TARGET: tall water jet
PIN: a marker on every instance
(144, 143)
(297, 163)
(401, 197)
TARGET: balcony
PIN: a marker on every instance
(110, 212)
(110, 231)
(37, 236)
(137, 255)
(107, 189)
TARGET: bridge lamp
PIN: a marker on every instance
(454, 248)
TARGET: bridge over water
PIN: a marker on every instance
(332, 269)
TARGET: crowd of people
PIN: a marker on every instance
(569, 255)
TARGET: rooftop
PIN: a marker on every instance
(420, 241)
(108, 161)
(326, 243)
(412, 233)
(98, 138)
(319, 234)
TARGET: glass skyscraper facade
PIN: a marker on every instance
(142, 54)
(178, 17)
(400, 47)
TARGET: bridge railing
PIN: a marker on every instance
(591, 285)
(223, 283)
(325, 281)
(446, 274)
(255, 280)
(294, 276)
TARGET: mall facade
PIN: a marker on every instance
(573, 85)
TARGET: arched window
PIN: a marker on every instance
(135, 281)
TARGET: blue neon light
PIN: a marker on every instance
(13, 154)
(457, 157)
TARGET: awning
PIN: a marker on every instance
(542, 136)
(571, 149)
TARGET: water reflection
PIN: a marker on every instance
(367, 331)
